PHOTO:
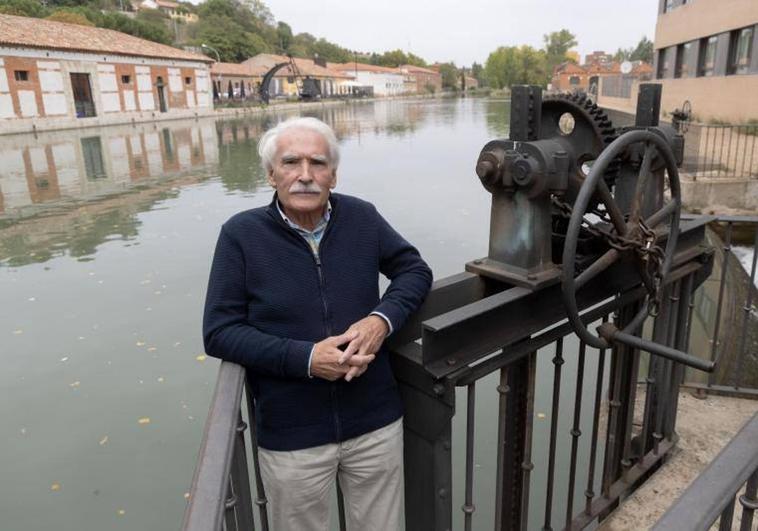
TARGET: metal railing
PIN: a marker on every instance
(716, 151)
(734, 319)
(711, 496)
(471, 327)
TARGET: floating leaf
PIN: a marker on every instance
(144, 420)
(103, 441)
(55, 487)
(64, 358)
(31, 299)
(18, 332)
(160, 379)
(151, 349)
(145, 282)
(140, 343)
(121, 512)
(82, 337)
(186, 495)
(177, 343)
(541, 415)
(74, 384)
(201, 357)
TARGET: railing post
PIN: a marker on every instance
(514, 453)
(427, 444)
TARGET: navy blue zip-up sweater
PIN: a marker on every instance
(270, 299)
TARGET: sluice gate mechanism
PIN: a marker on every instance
(586, 238)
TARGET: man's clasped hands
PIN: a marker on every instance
(363, 340)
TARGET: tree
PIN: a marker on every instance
(70, 17)
(477, 72)
(449, 74)
(557, 43)
(643, 51)
(511, 65)
(22, 8)
(284, 36)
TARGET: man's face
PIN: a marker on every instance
(302, 172)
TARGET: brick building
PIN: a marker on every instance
(55, 75)
(424, 79)
(707, 52)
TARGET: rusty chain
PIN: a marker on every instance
(646, 247)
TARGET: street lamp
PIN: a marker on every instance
(218, 60)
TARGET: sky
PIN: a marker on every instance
(465, 31)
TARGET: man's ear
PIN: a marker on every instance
(270, 178)
(334, 179)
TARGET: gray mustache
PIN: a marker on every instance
(299, 188)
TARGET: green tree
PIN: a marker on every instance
(449, 74)
(511, 65)
(557, 43)
(477, 72)
(284, 36)
(643, 51)
(23, 8)
(329, 51)
(70, 17)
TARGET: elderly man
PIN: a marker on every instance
(294, 297)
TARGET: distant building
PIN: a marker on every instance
(423, 80)
(239, 80)
(598, 58)
(707, 52)
(591, 77)
(382, 80)
(172, 9)
(285, 82)
(55, 75)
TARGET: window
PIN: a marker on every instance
(574, 80)
(187, 80)
(21, 75)
(668, 6)
(707, 57)
(682, 66)
(663, 63)
(740, 50)
(126, 79)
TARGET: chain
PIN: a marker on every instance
(646, 247)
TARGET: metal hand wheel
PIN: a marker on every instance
(630, 232)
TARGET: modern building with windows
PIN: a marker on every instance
(57, 76)
(706, 51)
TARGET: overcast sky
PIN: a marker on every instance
(467, 30)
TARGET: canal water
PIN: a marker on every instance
(106, 238)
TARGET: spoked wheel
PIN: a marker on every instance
(629, 233)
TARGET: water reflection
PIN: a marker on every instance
(70, 191)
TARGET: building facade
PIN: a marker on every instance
(423, 80)
(55, 76)
(707, 52)
(286, 81)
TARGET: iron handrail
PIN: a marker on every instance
(210, 484)
(713, 491)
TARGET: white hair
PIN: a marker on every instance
(267, 144)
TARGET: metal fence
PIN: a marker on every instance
(726, 313)
(711, 496)
(616, 431)
(721, 151)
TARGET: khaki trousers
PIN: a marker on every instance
(370, 468)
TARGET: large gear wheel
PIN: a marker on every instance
(590, 131)
(588, 127)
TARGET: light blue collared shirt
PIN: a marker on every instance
(313, 239)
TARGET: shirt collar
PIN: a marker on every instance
(324, 219)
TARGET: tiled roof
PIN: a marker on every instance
(26, 32)
(306, 67)
(239, 70)
(167, 3)
(362, 67)
(413, 69)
